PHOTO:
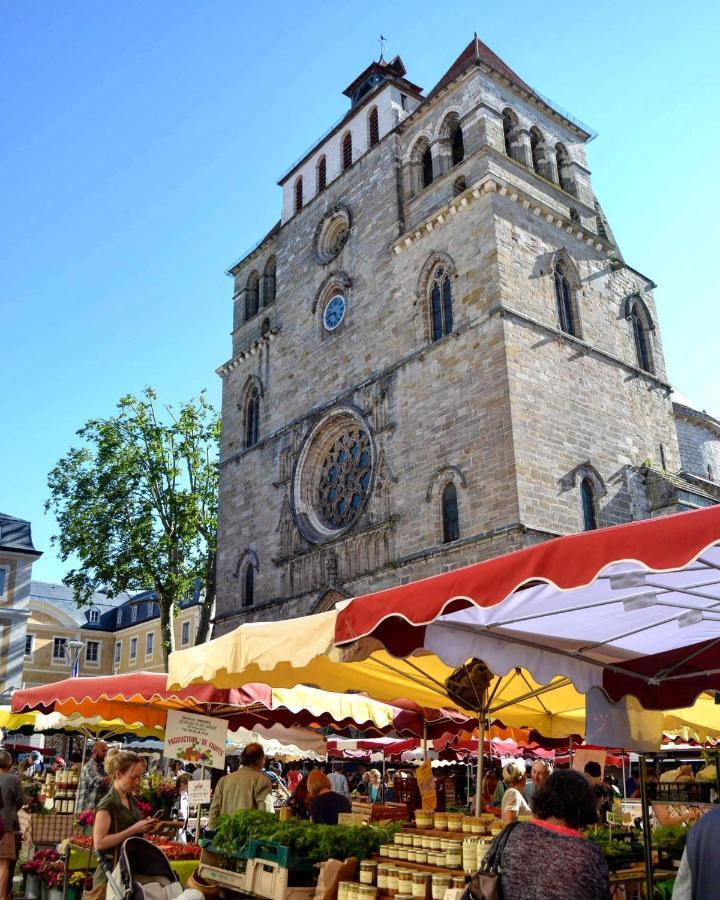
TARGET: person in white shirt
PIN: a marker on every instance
(338, 781)
(513, 803)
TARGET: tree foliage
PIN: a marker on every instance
(136, 504)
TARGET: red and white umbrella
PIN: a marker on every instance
(632, 609)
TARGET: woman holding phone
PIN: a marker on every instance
(117, 817)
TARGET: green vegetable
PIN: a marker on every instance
(305, 840)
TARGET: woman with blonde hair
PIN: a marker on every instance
(117, 817)
(514, 803)
(325, 804)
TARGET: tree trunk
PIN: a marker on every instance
(207, 606)
(167, 631)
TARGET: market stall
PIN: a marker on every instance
(617, 625)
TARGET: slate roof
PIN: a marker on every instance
(476, 52)
(16, 535)
(115, 612)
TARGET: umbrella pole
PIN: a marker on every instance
(647, 837)
(424, 741)
(82, 766)
(481, 747)
(382, 790)
(624, 789)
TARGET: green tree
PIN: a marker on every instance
(136, 504)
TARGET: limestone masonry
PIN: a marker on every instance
(439, 353)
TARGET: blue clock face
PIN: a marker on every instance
(334, 312)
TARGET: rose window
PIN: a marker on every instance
(345, 478)
(334, 475)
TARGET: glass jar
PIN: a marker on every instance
(454, 821)
(420, 884)
(469, 855)
(440, 883)
(405, 877)
(392, 877)
(467, 824)
(453, 856)
(401, 853)
(421, 856)
(343, 890)
(385, 850)
(426, 842)
(399, 839)
(411, 855)
(382, 878)
(352, 891)
(423, 819)
(440, 821)
(417, 840)
(458, 882)
(368, 871)
(435, 843)
(367, 892)
(407, 840)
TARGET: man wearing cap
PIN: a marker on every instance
(94, 783)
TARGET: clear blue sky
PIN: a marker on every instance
(140, 143)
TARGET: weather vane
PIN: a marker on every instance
(383, 44)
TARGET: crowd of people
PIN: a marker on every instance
(543, 811)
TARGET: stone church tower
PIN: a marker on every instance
(439, 353)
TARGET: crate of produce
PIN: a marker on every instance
(225, 878)
(270, 851)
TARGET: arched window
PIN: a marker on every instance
(509, 125)
(347, 150)
(252, 417)
(248, 594)
(589, 505)
(441, 315)
(427, 168)
(458, 146)
(373, 127)
(298, 194)
(252, 296)
(450, 518)
(322, 174)
(563, 295)
(640, 321)
(269, 281)
(459, 186)
(564, 168)
(536, 143)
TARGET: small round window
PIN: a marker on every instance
(331, 234)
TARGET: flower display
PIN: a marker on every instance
(86, 818)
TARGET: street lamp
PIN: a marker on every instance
(72, 651)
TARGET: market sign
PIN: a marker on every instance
(426, 783)
(199, 740)
(199, 792)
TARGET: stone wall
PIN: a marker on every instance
(508, 408)
(699, 441)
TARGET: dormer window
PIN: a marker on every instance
(133, 613)
(118, 618)
(94, 616)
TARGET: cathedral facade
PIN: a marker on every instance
(439, 353)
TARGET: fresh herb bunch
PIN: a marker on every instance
(314, 842)
(670, 837)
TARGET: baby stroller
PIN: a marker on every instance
(142, 872)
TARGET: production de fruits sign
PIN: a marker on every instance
(199, 740)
